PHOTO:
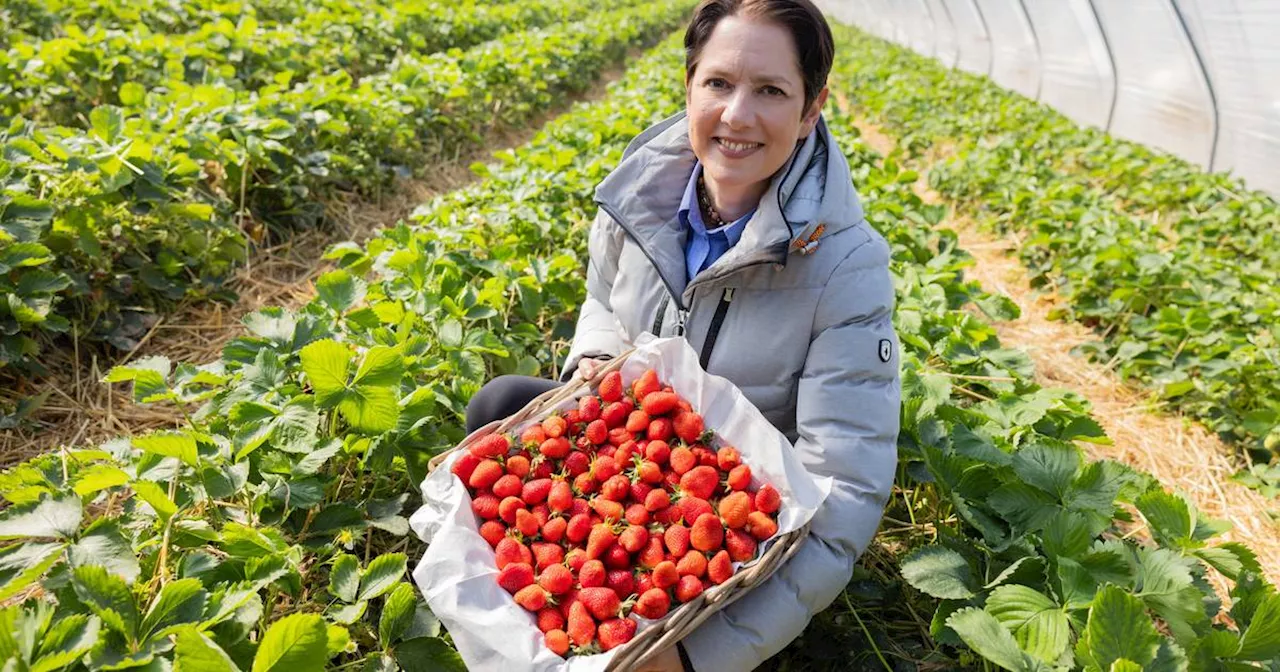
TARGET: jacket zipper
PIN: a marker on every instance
(713, 332)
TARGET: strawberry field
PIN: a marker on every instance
(269, 529)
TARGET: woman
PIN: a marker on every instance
(735, 225)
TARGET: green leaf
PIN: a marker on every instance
(371, 410)
(153, 494)
(1038, 624)
(179, 602)
(340, 290)
(344, 577)
(382, 366)
(169, 444)
(108, 596)
(99, 477)
(429, 654)
(104, 544)
(295, 643)
(1118, 627)
(1171, 517)
(325, 362)
(1261, 641)
(981, 632)
(195, 652)
(1125, 665)
(347, 613)
(107, 123)
(132, 93)
(397, 614)
(940, 572)
(381, 575)
(976, 447)
(339, 638)
(65, 642)
(22, 564)
(53, 516)
(1048, 465)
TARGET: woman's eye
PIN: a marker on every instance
(773, 91)
(717, 83)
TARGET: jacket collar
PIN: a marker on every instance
(643, 194)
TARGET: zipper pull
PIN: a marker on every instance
(728, 294)
(680, 317)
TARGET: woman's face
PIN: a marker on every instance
(745, 101)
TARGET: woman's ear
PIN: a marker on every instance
(810, 119)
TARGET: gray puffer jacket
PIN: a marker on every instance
(807, 337)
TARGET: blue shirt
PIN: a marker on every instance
(704, 246)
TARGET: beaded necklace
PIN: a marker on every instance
(709, 214)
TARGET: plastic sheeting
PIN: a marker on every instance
(1198, 78)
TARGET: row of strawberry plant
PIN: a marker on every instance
(101, 228)
(312, 432)
(59, 80)
(1176, 269)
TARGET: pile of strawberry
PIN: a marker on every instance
(619, 507)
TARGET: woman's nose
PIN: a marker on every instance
(737, 110)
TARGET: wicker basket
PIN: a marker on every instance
(682, 621)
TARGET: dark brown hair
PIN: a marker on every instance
(808, 27)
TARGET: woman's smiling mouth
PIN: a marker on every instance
(736, 149)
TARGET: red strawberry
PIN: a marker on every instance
(486, 506)
(649, 472)
(694, 563)
(592, 574)
(560, 496)
(760, 525)
(739, 477)
(509, 551)
(693, 508)
(493, 532)
(659, 403)
(677, 540)
(620, 581)
(580, 505)
(653, 603)
(582, 628)
(639, 491)
(532, 598)
(543, 469)
(637, 515)
(550, 618)
(682, 460)
(652, 553)
(645, 384)
(644, 581)
(555, 447)
(486, 474)
(554, 426)
(556, 579)
(701, 481)
(518, 465)
(616, 413)
(666, 574)
(616, 632)
(577, 462)
(464, 465)
(720, 568)
(575, 558)
(589, 408)
(658, 451)
(688, 588)
(608, 509)
(603, 603)
(508, 507)
(637, 421)
(688, 426)
(491, 445)
(657, 500)
(634, 538)
(603, 468)
(573, 416)
(707, 533)
(617, 557)
(585, 483)
(706, 457)
(611, 386)
(542, 513)
(546, 554)
(616, 488)
(506, 486)
(619, 436)
(667, 516)
(536, 491)
(578, 529)
(734, 508)
(741, 546)
(660, 429)
(606, 450)
(553, 530)
(727, 458)
(599, 541)
(557, 641)
(533, 436)
(515, 576)
(767, 499)
(597, 432)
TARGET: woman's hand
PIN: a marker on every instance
(588, 367)
(667, 661)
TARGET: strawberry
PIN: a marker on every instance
(615, 414)
(510, 551)
(644, 581)
(536, 491)
(616, 632)
(577, 462)
(734, 509)
(617, 488)
(739, 477)
(580, 505)
(688, 588)
(533, 436)
(508, 507)
(585, 483)
(637, 515)
(607, 509)
(578, 529)
(659, 403)
(652, 553)
(491, 445)
(506, 486)
(573, 417)
(645, 384)
(637, 421)
(542, 513)
(701, 481)
(617, 557)
(597, 432)
(720, 568)
(657, 451)
(727, 458)
(566, 602)
(589, 408)
(518, 465)
(599, 541)
(694, 563)
(554, 427)
(660, 429)
(649, 472)
(582, 628)
(592, 574)
(486, 506)
(707, 533)
(555, 447)
(558, 641)
(657, 500)
(607, 450)
(634, 538)
(667, 516)
(560, 496)
(515, 576)
(682, 460)
(619, 436)
(493, 532)
(532, 598)
(741, 546)
(550, 618)
(688, 426)
(546, 554)
(543, 469)
(767, 499)
(486, 474)
(575, 558)
(639, 491)
(693, 508)
(760, 525)
(677, 539)
(603, 603)
(653, 604)
(665, 574)
(706, 457)
(611, 387)
(556, 579)
(620, 581)
(603, 468)
(553, 530)
(464, 465)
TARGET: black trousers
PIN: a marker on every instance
(503, 396)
